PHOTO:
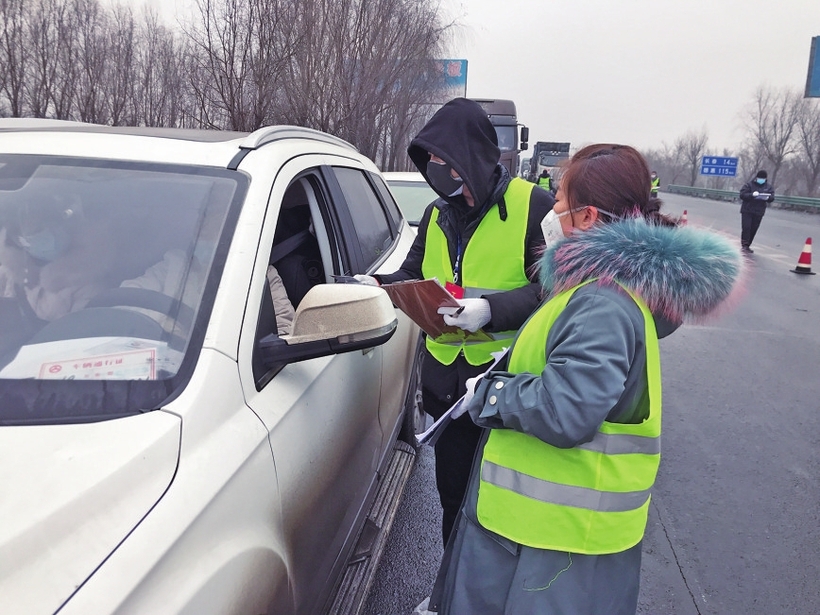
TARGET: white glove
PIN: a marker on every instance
(476, 314)
(366, 279)
(471, 385)
(755, 193)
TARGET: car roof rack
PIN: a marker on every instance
(269, 134)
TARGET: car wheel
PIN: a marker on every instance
(414, 419)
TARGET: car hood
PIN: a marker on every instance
(70, 495)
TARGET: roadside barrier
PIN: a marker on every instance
(797, 202)
(804, 261)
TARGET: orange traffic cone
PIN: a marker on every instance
(804, 262)
(684, 218)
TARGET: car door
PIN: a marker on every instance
(377, 224)
(321, 414)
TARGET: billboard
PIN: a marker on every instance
(451, 76)
(813, 79)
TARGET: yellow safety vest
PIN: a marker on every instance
(591, 499)
(493, 261)
(655, 185)
(544, 182)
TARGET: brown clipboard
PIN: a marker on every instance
(420, 300)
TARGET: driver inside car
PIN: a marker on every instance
(53, 259)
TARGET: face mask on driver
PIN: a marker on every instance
(438, 173)
(45, 245)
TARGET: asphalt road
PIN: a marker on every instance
(734, 525)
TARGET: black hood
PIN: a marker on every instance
(460, 133)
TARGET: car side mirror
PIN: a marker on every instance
(331, 319)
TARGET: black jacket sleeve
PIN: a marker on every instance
(411, 267)
(511, 308)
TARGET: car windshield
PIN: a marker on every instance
(104, 271)
(413, 197)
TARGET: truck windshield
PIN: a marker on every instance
(104, 272)
(506, 138)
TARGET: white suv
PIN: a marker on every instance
(169, 441)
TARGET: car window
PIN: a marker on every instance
(104, 267)
(393, 209)
(369, 217)
(305, 252)
(413, 197)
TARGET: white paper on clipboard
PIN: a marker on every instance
(432, 434)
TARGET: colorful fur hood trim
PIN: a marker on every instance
(681, 273)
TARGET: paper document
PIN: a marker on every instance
(421, 300)
(432, 434)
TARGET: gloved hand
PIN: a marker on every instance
(471, 385)
(476, 314)
(366, 279)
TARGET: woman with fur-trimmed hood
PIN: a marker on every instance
(556, 510)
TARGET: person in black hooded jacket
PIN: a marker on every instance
(489, 225)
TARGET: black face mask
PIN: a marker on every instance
(439, 177)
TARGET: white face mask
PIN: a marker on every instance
(554, 232)
(552, 229)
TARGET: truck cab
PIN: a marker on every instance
(511, 142)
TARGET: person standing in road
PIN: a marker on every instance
(545, 181)
(655, 183)
(754, 196)
(482, 238)
(559, 494)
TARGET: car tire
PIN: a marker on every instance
(413, 418)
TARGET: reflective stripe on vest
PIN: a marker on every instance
(493, 261)
(593, 498)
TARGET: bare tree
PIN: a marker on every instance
(240, 48)
(121, 78)
(44, 39)
(91, 23)
(362, 69)
(15, 54)
(690, 149)
(771, 119)
(667, 162)
(161, 85)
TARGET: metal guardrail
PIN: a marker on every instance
(732, 195)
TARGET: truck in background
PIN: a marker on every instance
(503, 117)
(547, 155)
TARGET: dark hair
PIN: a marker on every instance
(614, 178)
(762, 174)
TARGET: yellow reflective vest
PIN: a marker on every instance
(591, 499)
(544, 182)
(656, 183)
(493, 261)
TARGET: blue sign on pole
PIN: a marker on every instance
(813, 78)
(718, 165)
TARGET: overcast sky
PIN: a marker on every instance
(632, 71)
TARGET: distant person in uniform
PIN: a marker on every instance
(544, 180)
(655, 184)
(754, 196)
